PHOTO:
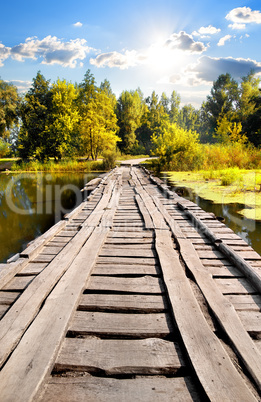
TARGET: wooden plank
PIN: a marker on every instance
(19, 383)
(146, 216)
(126, 252)
(234, 286)
(33, 268)
(126, 260)
(19, 283)
(130, 235)
(206, 353)
(8, 271)
(37, 244)
(116, 270)
(143, 357)
(123, 303)
(125, 325)
(52, 250)
(8, 297)
(145, 284)
(147, 389)
(245, 302)
(252, 322)
(219, 271)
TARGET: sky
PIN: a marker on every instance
(161, 45)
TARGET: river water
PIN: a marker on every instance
(247, 229)
(30, 203)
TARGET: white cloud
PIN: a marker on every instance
(222, 41)
(116, 59)
(237, 25)
(52, 50)
(207, 69)
(210, 30)
(22, 86)
(185, 42)
(4, 53)
(78, 24)
(244, 15)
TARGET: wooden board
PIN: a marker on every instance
(234, 286)
(124, 325)
(156, 389)
(19, 283)
(49, 327)
(126, 260)
(127, 270)
(120, 357)
(8, 298)
(252, 322)
(245, 302)
(33, 268)
(145, 284)
(207, 355)
(123, 303)
(126, 252)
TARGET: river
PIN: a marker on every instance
(247, 229)
(30, 203)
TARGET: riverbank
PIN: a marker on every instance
(224, 187)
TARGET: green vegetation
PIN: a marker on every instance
(62, 121)
(225, 186)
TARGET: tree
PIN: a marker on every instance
(98, 128)
(9, 104)
(174, 107)
(129, 112)
(223, 100)
(177, 148)
(63, 120)
(35, 114)
(189, 118)
(249, 108)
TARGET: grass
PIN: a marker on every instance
(225, 186)
(62, 166)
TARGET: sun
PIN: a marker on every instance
(162, 58)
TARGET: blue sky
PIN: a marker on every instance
(161, 45)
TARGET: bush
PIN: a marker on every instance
(231, 176)
(109, 159)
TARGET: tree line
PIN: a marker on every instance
(64, 120)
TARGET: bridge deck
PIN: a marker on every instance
(139, 295)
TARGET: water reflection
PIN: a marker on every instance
(247, 229)
(30, 203)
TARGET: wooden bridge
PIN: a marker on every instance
(138, 295)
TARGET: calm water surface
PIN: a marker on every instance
(247, 229)
(30, 203)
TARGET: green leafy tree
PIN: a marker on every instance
(9, 108)
(223, 100)
(177, 148)
(129, 113)
(174, 107)
(63, 120)
(98, 128)
(189, 118)
(249, 108)
(35, 114)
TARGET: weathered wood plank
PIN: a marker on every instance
(156, 389)
(127, 270)
(125, 325)
(49, 327)
(252, 322)
(234, 286)
(123, 303)
(145, 285)
(245, 302)
(126, 260)
(207, 355)
(8, 297)
(120, 357)
(33, 268)
(126, 252)
(19, 283)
